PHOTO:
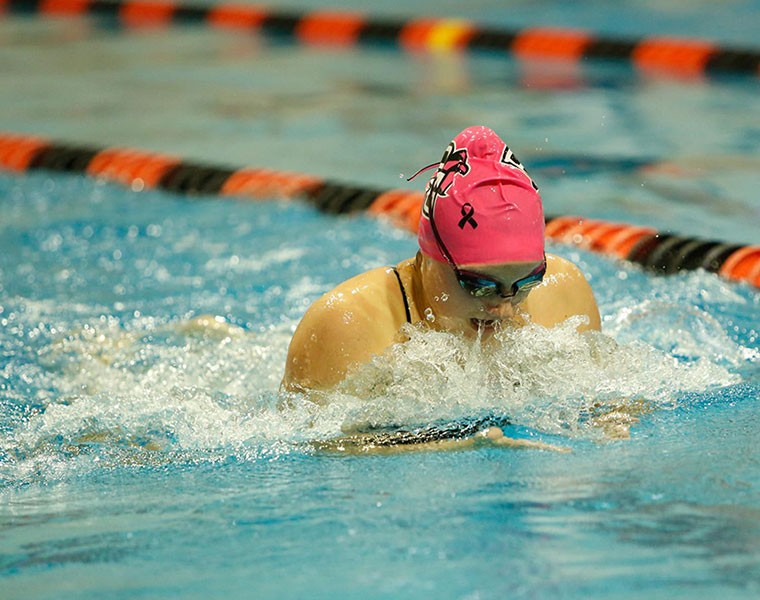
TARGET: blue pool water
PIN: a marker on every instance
(142, 450)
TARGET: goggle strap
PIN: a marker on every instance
(439, 241)
(423, 169)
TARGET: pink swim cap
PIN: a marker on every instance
(485, 206)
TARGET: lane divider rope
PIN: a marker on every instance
(660, 252)
(672, 55)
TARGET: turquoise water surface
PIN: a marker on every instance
(146, 453)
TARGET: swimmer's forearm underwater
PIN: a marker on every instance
(390, 444)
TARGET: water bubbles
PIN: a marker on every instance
(153, 387)
(429, 316)
(63, 275)
(52, 243)
(543, 379)
(444, 297)
(691, 334)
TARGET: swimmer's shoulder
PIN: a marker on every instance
(374, 293)
(558, 266)
(356, 319)
(565, 292)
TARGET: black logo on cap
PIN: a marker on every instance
(467, 212)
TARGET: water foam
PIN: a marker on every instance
(147, 386)
(545, 379)
(148, 391)
(689, 333)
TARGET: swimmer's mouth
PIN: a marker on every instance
(486, 325)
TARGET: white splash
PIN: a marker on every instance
(205, 389)
(546, 379)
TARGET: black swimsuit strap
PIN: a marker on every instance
(403, 295)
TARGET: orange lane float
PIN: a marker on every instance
(660, 252)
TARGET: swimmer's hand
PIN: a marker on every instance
(496, 437)
(615, 419)
(384, 444)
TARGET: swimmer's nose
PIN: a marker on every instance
(503, 309)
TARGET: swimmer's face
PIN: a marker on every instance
(458, 311)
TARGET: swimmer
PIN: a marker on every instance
(481, 266)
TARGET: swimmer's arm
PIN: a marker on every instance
(320, 352)
(374, 444)
(564, 293)
(332, 336)
(347, 326)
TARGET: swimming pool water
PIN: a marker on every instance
(143, 453)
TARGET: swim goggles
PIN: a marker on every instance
(482, 286)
